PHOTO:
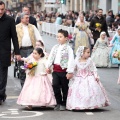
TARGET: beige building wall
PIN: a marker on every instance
(8, 4)
(39, 7)
(71, 4)
(76, 5)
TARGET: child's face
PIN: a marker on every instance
(36, 55)
(103, 36)
(38, 45)
(86, 53)
(61, 38)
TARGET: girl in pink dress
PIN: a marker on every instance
(37, 89)
(85, 88)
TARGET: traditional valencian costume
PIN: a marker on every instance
(100, 54)
(85, 92)
(116, 49)
(62, 59)
(37, 89)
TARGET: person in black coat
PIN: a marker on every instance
(7, 33)
(32, 20)
(97, 30)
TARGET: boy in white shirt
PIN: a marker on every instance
(62, 59)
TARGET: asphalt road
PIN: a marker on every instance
(108, 76)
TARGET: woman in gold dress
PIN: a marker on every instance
(82, 32)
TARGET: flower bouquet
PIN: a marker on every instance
(116, 54)
(31, 67)
(98, 25)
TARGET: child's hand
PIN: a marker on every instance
(48, 71)
(97, 78)
(93, 49)
(110, 45)
(69, 75)
(22, 59)
(18, 57)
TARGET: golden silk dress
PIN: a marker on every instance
(81, 38)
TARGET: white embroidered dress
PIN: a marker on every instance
(84, 91)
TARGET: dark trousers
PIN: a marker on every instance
(24, 53)
(3, 80)
(60, 87)
(94, 43)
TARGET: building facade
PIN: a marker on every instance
(106, 5)
(86, 5)
(55, 5)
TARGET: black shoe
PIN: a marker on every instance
(57, 107)
(1, 101)
(62, 108)
(4, 98)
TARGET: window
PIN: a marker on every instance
(92, 4)
(109, 3)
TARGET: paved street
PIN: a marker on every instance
(10, 110)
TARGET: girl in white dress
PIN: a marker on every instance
(85, 88)
(100, 54)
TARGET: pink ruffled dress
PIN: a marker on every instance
(84, 91)
(37, 90)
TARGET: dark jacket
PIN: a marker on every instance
(32, 21)
(102, 21)
(7, 33)
(109, 20)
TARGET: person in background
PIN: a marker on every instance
(98, 24)
(100, 54)
(115, 51)
(58, 20)
(27, 36)
(117, 20)
(81, 31)
(109, 19)
(32, 20)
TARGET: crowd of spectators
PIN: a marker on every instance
(70, 18)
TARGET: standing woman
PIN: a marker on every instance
(81, 31)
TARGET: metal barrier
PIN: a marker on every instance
(52, 28)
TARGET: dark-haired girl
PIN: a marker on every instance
(37, 89)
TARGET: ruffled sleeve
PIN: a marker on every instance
(96, 44)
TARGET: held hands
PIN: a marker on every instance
(18, 57)
(93, 49)
(97, 79)
(69, 75)
(24, 59)
(111, 45)
(48, 71)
